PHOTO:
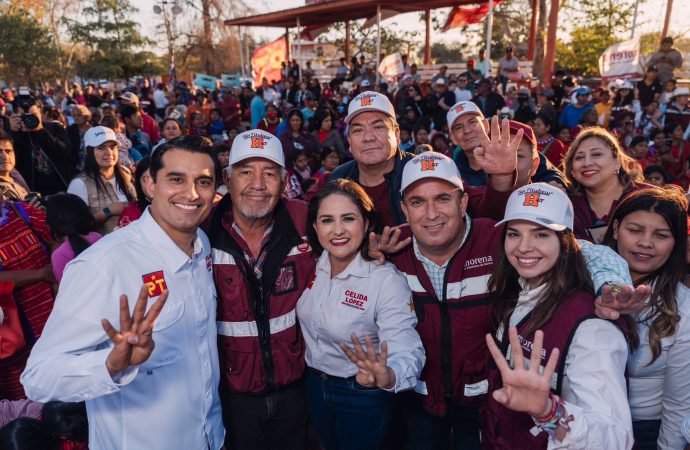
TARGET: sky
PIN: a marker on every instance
(651, 18)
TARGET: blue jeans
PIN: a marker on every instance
(646, 434)
(346, 415)
(427, 432)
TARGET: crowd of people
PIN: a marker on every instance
(464, 262)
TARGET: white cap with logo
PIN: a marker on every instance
(542, 204)
(99, 135)
(257, 144)
(430, 165)
(460, 109)
(369, 101)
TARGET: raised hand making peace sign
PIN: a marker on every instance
(133, 343)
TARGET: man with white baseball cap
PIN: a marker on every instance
(378, 163)
(262, 264)
(468, 127)
(678, 111)
(448, 267)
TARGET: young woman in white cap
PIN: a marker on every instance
(558, 379)
(369, 305)
(104, 185)
(649, 230)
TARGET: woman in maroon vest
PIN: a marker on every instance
(564, 386)
(649, 230)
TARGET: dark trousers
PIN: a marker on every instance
(346, 415)
(273, 421)
(458, 430)
(646, 434)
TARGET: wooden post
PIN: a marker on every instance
(550, 56)
(489, 29)
(427, 37)
(667, 19)
(532, 32)
(347, 41)
(378, 43)
(287, 48)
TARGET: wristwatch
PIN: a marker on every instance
(107, 213)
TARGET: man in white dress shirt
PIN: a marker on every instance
(101, 351)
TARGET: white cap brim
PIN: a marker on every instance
(542, 221)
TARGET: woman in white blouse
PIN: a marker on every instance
(649, 230)
(354, 299)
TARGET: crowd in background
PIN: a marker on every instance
(74, 161)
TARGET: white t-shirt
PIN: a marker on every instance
(78, 188)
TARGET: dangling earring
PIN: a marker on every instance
(617, 171)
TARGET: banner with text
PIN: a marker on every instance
(621, 60)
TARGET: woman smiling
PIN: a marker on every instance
(353, 298)
(649, 230)
(598, 176)
(104, 185)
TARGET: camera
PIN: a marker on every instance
(36, 195)
(25, 100)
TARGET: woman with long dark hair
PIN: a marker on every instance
(649, 230)
(324, 131)
(558, 379)
(71, 223)
(354, 299)
(296, 139)
(105, 186)
(137, 207)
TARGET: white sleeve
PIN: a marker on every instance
(676, 394)
(396, 322)
(595, 391)
(68, 361)
(78, 188)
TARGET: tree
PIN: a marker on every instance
(605, 20)
(27, 52)
(114, 40)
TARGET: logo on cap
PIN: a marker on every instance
(365, 101)
(427, 164)
(532, 200)
(459, 108)
(258, 142)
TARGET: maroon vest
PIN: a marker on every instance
(260, 345)
(452, 328)
(503, 428)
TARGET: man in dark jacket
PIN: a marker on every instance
(377, 166)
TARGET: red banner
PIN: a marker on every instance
(266, 61)
(465, 16)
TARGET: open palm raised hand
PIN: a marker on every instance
(524, 389)
(497, 154)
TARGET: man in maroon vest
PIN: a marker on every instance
(261, 265)
(447, 267)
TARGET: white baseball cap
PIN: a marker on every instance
(365, 83)
(99, 135)
(369, 101)
(680, 91)
(430, 165)
(131, 97)
(460, 109)
(542, 204)
(256, 144)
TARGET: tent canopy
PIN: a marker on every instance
(341, 11)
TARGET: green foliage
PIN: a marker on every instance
(363, 40)
(27, 53)
(605, 21)
(115, 43)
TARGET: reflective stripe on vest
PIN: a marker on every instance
(248, 329)
(465, 288)
(221, 257)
